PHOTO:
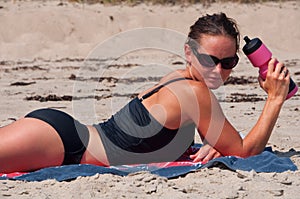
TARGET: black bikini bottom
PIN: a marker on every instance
(74, 135)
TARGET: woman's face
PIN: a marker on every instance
(218, 46)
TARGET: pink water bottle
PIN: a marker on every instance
(259, 55)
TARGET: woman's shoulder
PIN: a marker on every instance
(181, 79)
(184, 87)
(195, 88)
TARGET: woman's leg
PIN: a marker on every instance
(29, 144)
(95, 152)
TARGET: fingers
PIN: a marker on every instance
(280, 71)
(284, 73)
(276, 83)
(199, 159)
(277, 69)
(271, 66)
(209, 157)
(199, 156)
(205, 157)
(217, 155)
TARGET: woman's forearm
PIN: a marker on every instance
(256, 140)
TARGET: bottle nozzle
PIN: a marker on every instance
(247, 40)
(251, 45)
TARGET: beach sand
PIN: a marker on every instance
(44, 46)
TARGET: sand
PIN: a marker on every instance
(43, 51)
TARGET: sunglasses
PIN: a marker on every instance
(211, 61)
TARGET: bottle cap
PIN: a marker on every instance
(251, 45)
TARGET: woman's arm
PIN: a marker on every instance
(276, 85)
(219, 133)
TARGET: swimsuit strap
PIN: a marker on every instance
(155, 90)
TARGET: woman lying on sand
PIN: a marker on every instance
(149, 122)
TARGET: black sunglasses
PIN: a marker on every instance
(211, 61)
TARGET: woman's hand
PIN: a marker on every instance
(205, 154)
(277, 81)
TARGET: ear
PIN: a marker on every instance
(188, 53)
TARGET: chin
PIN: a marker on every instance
(214, 85)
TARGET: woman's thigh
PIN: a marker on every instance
(29, 144)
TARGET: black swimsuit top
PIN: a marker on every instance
(134, 129)
(155, 90)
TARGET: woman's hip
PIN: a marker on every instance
(74, 135)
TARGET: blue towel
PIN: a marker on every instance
(267, 161)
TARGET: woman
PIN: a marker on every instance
(49, 137)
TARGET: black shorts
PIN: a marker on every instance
(74, 135)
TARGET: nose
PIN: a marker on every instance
(219, 67)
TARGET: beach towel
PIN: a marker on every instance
(267, 161)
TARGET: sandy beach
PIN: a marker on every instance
(44, 51)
